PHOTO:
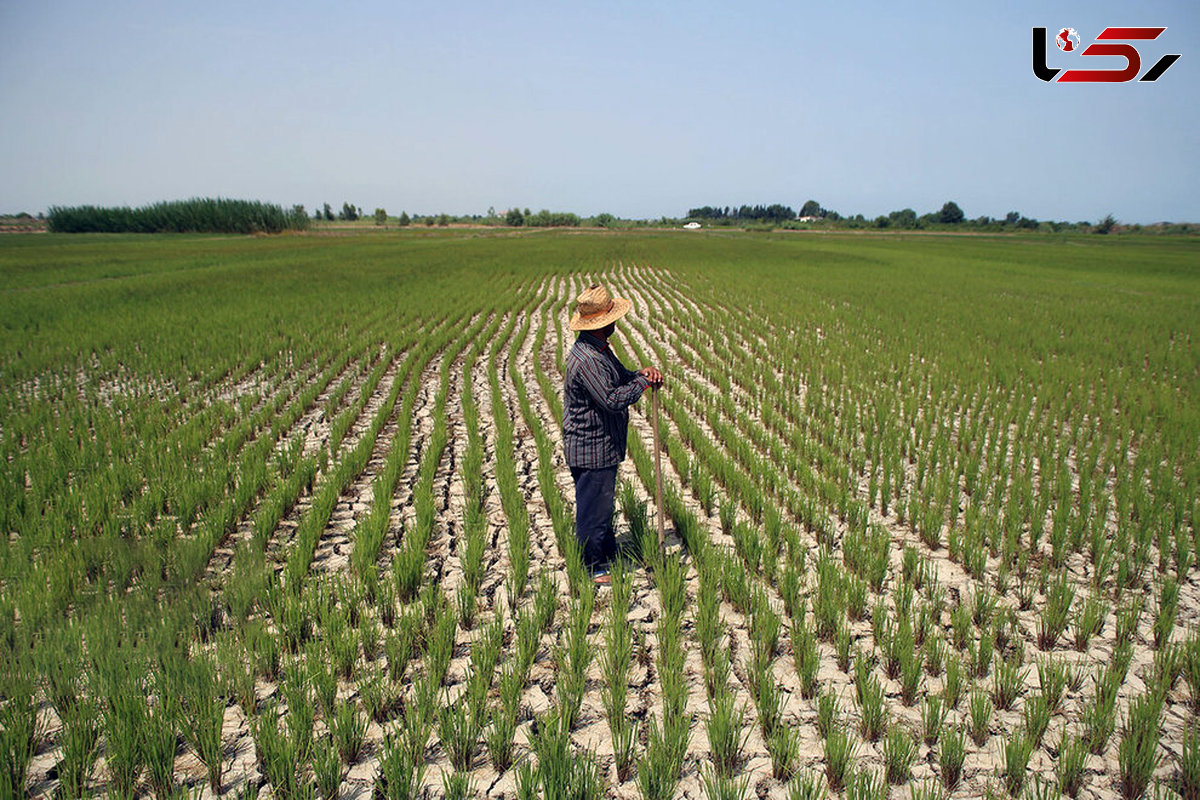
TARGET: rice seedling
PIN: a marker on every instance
(827, 712)
(278, 756)
(952, 687)
(727, 733)
(1189, 764)
(842, 643)
(1037, 718)
(864, 784)
(1015, 752)
(840, 753)
(951, 755)
(457, 786)
(806, 785)
(1128, 617)
(933, 714)
(926, 791)
(784, 748)
(1168, 608)
(1072, 761)
(1053, 679)
(401, 765)
(327, 768)
(807, 660)
(899, 754)
(1008, 682)
(1088, 621)
(980, 716)
(1099, 719)
(1137, 753)
(349, 729)
(871, 706)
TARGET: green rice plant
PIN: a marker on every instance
(1072, 762)
(960, 626)
(1008, 682)
(769, 701)
(500, 739)
(807, 785)
(840, 753)
(1052, 678)
(546, 601)
(1137, 754)
(1189, 764)
(80, 740)
(864, 784)
(980, 715)
(349, 729)
(927, 790)
(1166, 668)
(369, 636)
(807, 660)
(981, 656)
(843, 641)
(1040, 789)
(1128, 617)
(933, 714)
(1099, 716)
(1015, 751)
(899, 754)
(126, 724)
(784, 748)
(952, 687)
(327, 768)
(1191, 668)
(624, 750)
(827, 712)
(872, 708)
(934, 651)
(160, 739)
(951, 755)
(457, 786)
(278, 758)
(723, 787)
(1088, 621)
(727, 733)
(20, 733)
(1037, 718)
(1168, 608)
(401, 766)
(911, 672)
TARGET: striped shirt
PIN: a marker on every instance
(597, 393)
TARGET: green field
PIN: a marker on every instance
(289, 514)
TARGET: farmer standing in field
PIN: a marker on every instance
(597, 393)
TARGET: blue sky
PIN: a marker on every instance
(638, 109)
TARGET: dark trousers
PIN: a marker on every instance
(594, 490)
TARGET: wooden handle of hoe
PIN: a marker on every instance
(662, 538)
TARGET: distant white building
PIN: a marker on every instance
(692, 226)
(808, 219)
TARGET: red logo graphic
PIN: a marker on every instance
(1068, 42)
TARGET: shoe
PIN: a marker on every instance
(601, 577)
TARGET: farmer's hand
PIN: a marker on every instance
(652, 374)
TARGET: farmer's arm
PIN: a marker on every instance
(609, 395)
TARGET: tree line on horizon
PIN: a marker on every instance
(219, 215)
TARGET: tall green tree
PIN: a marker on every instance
(951, 214)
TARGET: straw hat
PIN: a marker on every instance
(596, 308)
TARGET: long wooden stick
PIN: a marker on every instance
(662, 536)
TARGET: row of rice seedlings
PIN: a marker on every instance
(661, 765)
(561, 516)
(370, 531)
(615, 662)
